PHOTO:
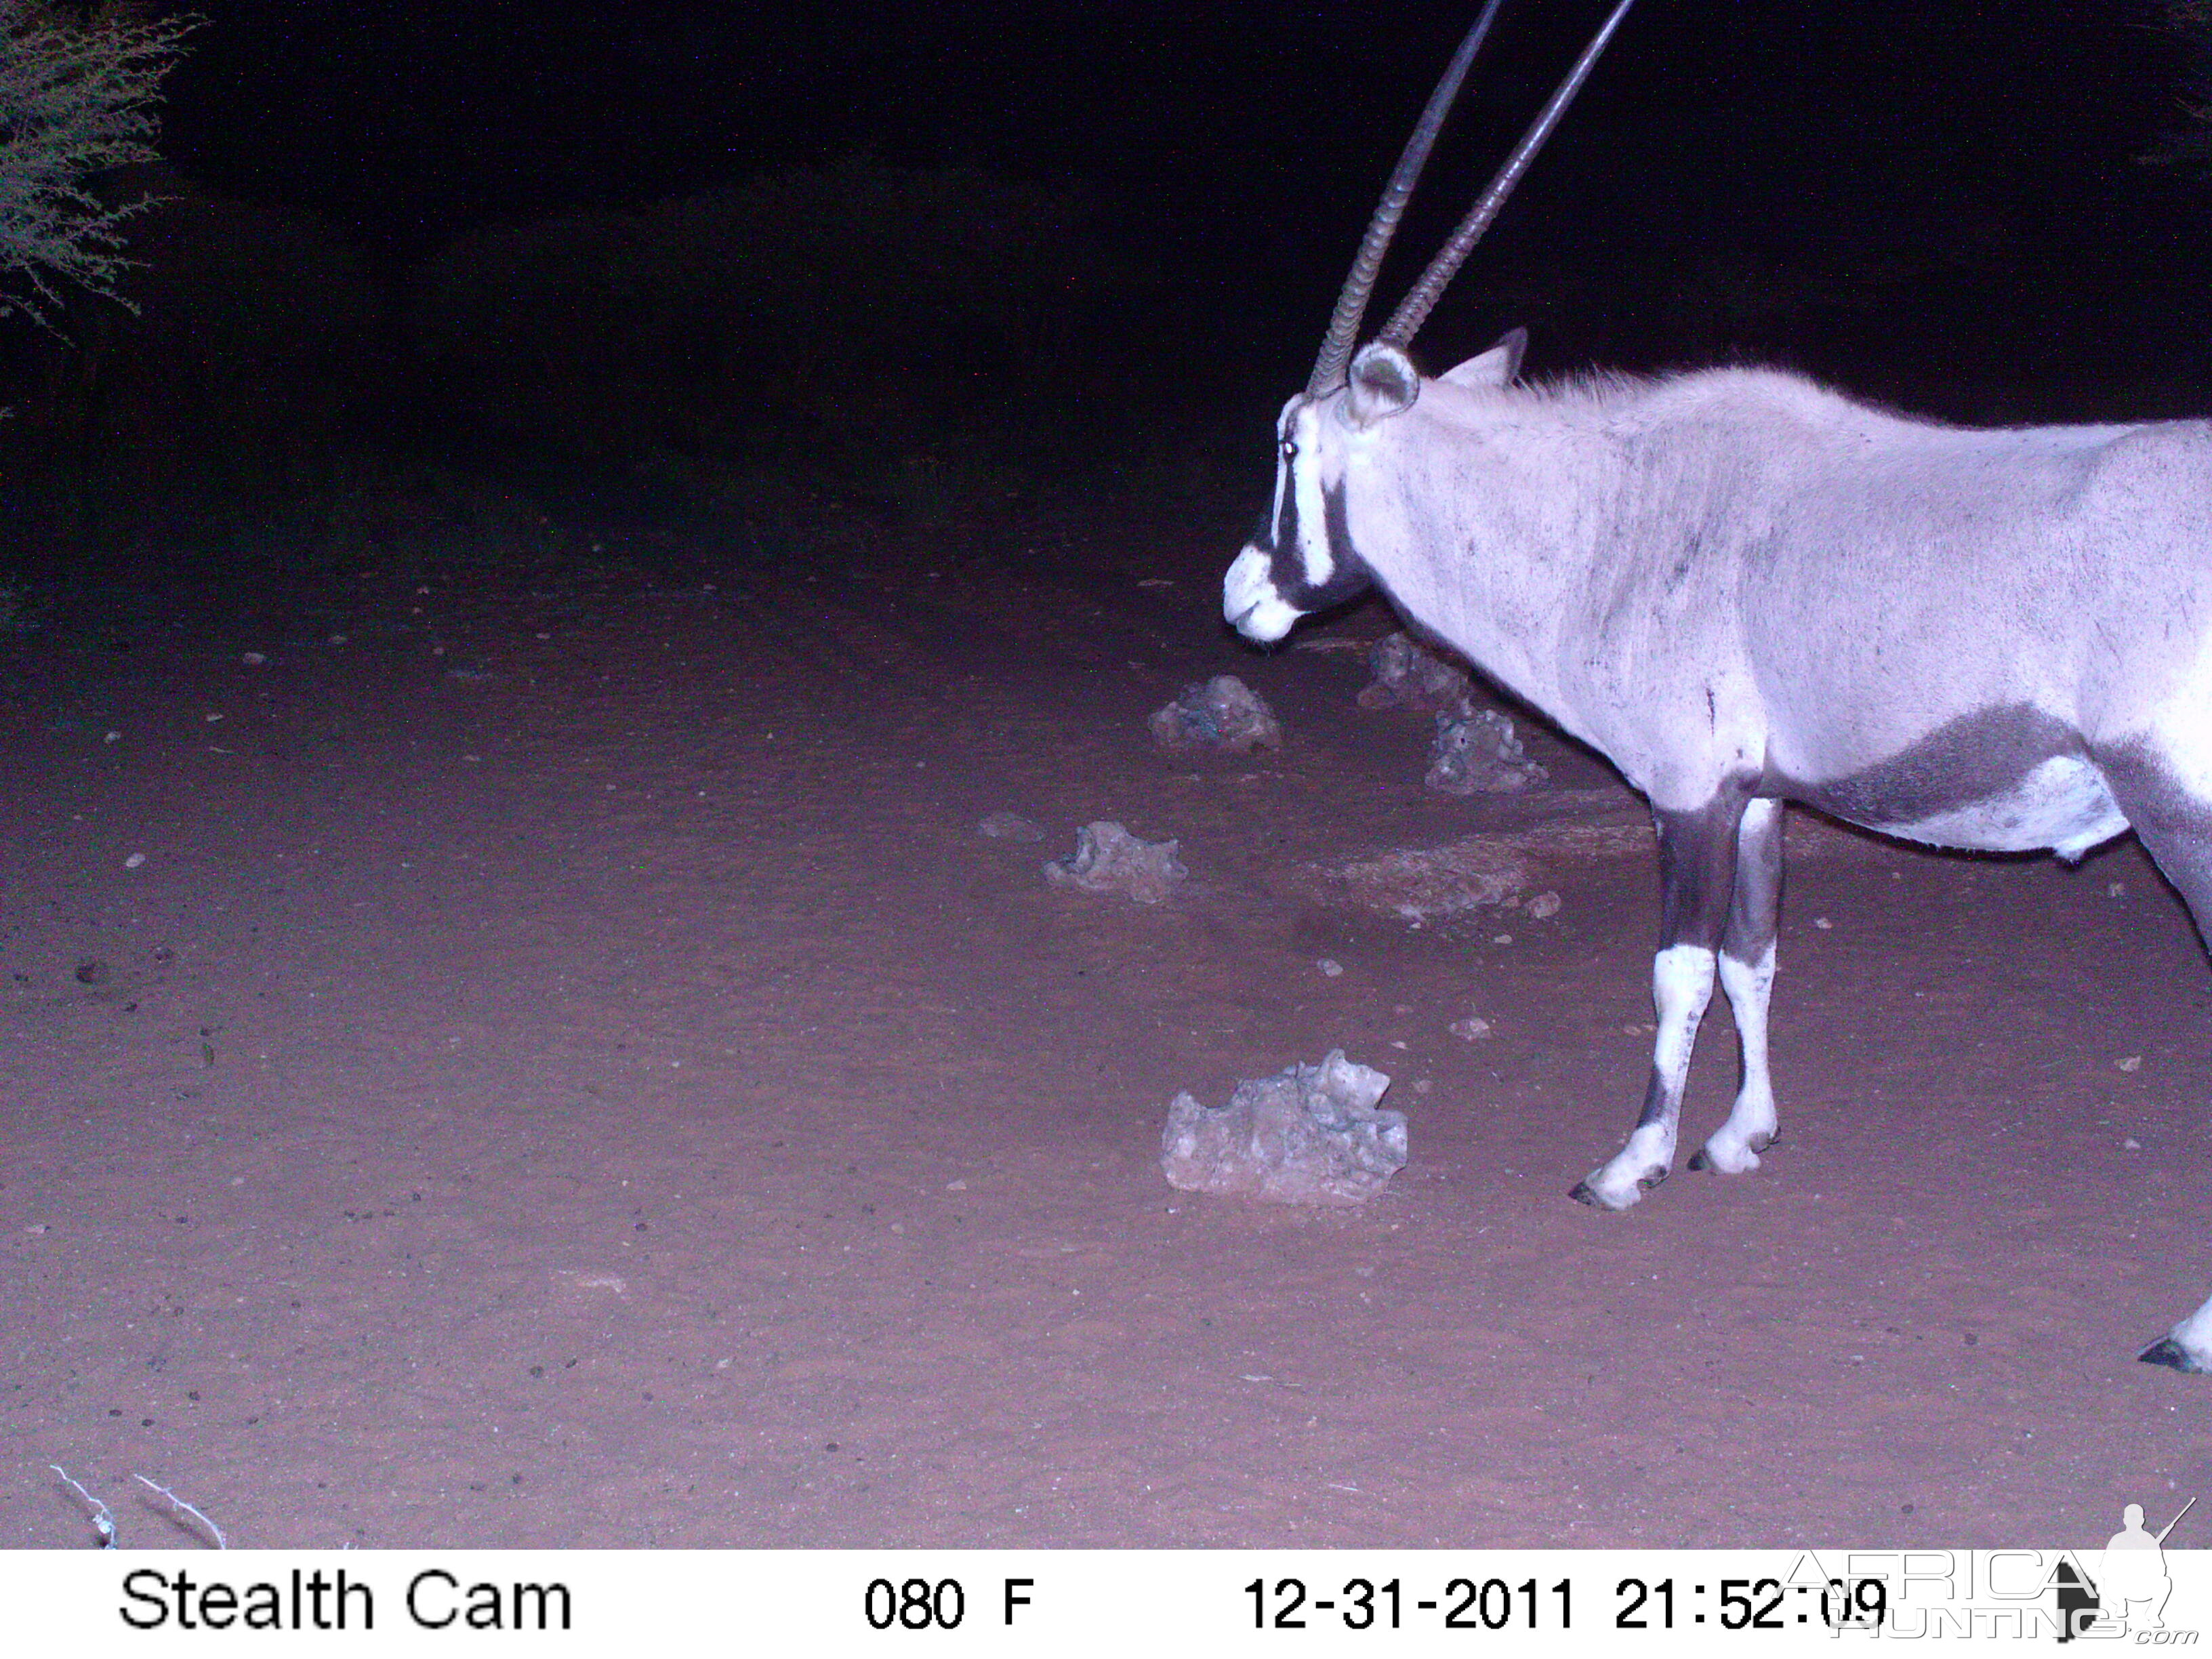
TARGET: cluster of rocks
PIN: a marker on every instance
(1410, 675)
(1110, 860)
(1479, 753)
(1475, 752)
(1222, 716)
(1316, 1135)
(1310, 1134)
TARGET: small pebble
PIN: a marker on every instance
(134, 860)
(1472, 1028)
(1822, 923)
(2116, 889)
(1544, 906)
(2132, 1063)
(2131, 1145)
(1330, 967)
(253, 659)
(1503, 938)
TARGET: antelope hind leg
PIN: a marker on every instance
(2175, 827)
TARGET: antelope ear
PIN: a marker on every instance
(1384, 383)
(1496, 370)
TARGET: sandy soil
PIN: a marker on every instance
(567, 1070)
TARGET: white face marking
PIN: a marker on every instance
(1681, 985)
(1305, 472)
(1249, 601)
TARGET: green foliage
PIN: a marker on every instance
(76, 102)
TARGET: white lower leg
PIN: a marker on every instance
(1735, 1146)
(1681, 985)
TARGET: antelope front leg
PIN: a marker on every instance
(1748, 976)
(1697, 874)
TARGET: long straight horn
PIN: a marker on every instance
(1413, 310)
(1352, 303)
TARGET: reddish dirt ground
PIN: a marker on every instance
(611, 1095)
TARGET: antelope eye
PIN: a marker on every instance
(1290, 449)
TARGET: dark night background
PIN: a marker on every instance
(474, 263)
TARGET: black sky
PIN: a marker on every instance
(1240, 146)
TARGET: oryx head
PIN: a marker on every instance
(1301, 559)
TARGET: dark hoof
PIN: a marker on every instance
(1758, 1143)
(1581, 1192)
(2170, 1353)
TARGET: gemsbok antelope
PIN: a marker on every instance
(1743, 590)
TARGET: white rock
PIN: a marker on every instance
(1310, 1134)
(1110, 860)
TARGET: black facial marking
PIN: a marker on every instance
(1263, 535)
(1973, 758)
(1348, 577)
(1280, 543)
(1337, 523)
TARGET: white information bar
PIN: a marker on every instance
(58, 1606)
